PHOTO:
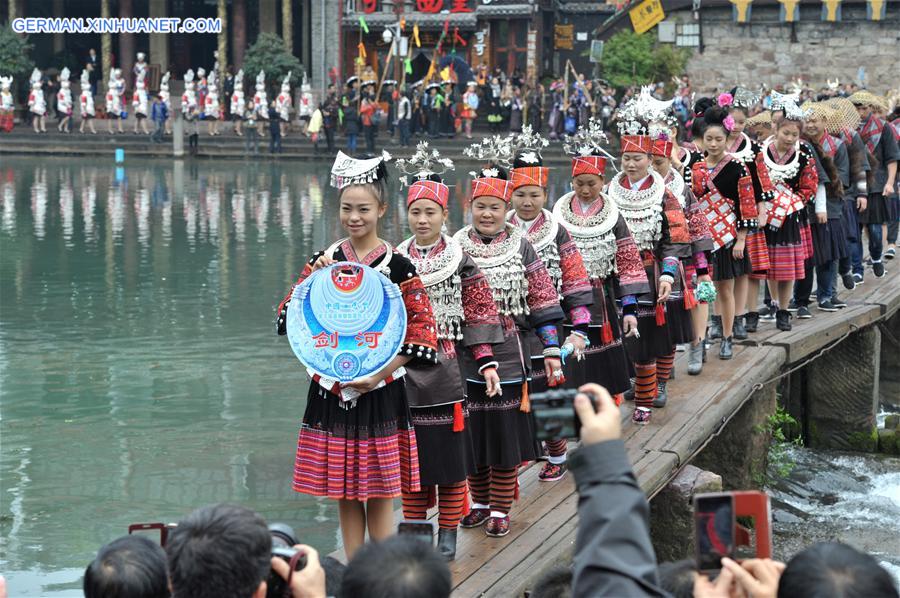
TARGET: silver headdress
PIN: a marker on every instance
(352, 171)
(495, 149)
(527, 145)
(422, 164)
(794, 112)
(745, 98)
(639, 111)
(780, 99)
(588, 141)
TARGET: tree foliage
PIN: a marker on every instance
(632, 59)
(270, 54)
(15, 54)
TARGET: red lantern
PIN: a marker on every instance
(369, 6)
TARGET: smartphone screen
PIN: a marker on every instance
(713, 530)
(421, 530)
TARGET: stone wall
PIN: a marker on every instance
(772, 53)
(326, 37)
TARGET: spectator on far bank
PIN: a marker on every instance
(274, 130)
(159, 114)
(132, 566)
(399, 567)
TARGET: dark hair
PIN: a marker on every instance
(219, 551)
(132, 567)
(697, 127)
(518, 162)
(677, 578)
(501, 172)
(399, 567)
(835, 570)
(714, 117)
(555, 583)
(702, 105)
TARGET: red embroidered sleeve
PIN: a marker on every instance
(809, 180)
(629, 266)
(747, 201)
(698, 178)
(541, 290)
(575, 278)
(481, 351)
(766, 188)
(478, 304)
(677, 223)
(420, 325)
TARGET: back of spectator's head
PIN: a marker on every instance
(399, 567)
(219, 551)
(835, 570)
(130, 567)
(555, 583)
(678, 578)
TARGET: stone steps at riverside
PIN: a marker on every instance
(544, 520)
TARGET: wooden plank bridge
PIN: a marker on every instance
(544, 520)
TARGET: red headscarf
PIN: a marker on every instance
(661, 147)
(588, 165)
(492, 187)
(436, 192)
(529, 175)
(636, 143)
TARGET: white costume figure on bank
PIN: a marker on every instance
(37, 105)
(140, 67)
(283, 104)
(189, 97)
(238, 103)
(140, 102)
(305, 108)
(64, 100)
(260, 102)
(7, 105)
(201, 88)
(113, 101)
(86, 102)
(166, 96)
(211, 108)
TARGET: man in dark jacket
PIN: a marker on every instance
(159, 114)
(613, 553)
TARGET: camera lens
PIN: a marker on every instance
(282, 535)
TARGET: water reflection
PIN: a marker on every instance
(140, 376)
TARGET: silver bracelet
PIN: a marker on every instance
(490, 364)
(552, 352)
(667, 278)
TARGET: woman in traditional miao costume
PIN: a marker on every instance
(526, 299)
(662, 154)
(828, 234)
(792, 169)
(556, 249)
(612, 261)
(842, 123)
(357, 442)
(659, 227)
(749, 152)
(724, 188)
(467, 321)
(884, 154)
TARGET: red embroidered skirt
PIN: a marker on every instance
(367, 451)
(789, 248)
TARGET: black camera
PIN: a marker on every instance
(554, 414)
(283, 541)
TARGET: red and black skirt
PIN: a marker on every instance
(445, 456)
(502, 434)
(361, 452)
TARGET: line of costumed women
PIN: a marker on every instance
(357, 443)
(558, 252)
(656, 220)
(611, 259)
(467, 322)
(527, 302)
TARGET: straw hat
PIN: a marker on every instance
(844, 116)
(865, 98)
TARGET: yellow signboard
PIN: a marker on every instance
(646, 15)
(563, 36)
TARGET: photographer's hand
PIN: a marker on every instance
(758, 577)
(601, 425)
(308, 582)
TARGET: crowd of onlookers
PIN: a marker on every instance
(227, 551)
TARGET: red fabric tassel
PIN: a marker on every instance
(606, 334)
(432, 497)
(459, 424)
(660, 314)
(618, 398)
(467, 503)
(525, 405)
(690, 302)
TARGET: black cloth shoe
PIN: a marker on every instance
(783, 320)
(803, 313)
(726, 350)
(446, 543)
(738, 330)
(827, 305)
(715, 328)
(751, 321)
(878, 269)
(848, 281)
(792, 306)
(661, 395)
(838, 302)
(767, 313)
